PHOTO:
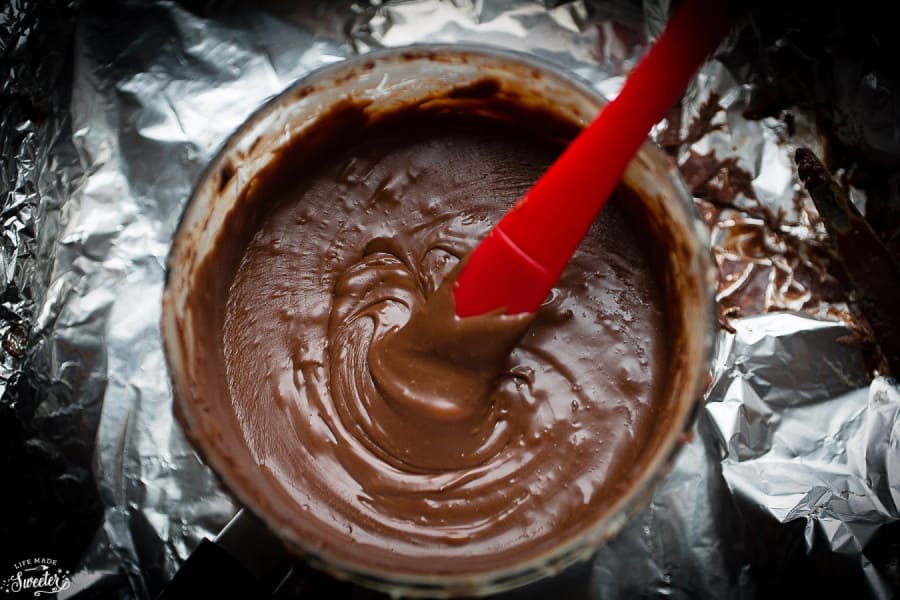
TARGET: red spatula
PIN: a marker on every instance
(522, 257)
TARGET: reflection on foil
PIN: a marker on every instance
(805, 441)
(797, 453)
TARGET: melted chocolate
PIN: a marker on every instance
(389, 448)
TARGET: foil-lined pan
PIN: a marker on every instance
(792, 479)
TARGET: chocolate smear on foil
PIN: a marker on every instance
(869, 264)
(763, 266)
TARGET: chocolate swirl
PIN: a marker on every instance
(410, 453)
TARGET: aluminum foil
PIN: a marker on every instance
(792, 478)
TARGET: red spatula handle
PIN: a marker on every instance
(517, 264)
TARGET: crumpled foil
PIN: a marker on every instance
(791, 483)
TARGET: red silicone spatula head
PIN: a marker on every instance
(517, 264)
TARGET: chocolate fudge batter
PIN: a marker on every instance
(459, 445)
